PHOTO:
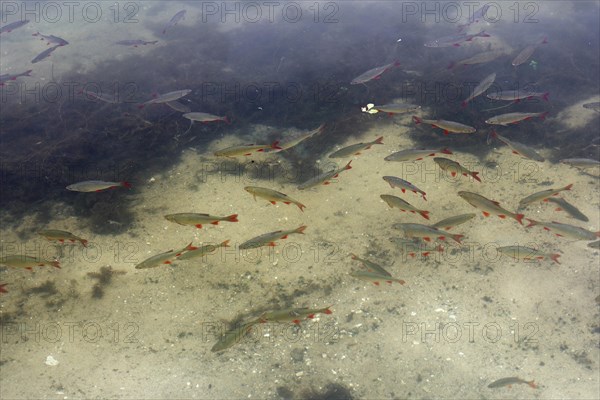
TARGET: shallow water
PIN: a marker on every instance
(467, 316)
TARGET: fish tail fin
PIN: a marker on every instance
(189, 247)
(417, 119)
(451, 65)
(126, 184)
(457, 238)
(301, 206)
(300, 229)
(446, 151)
(519, 218)
(275, 145)
(424, 198)
(568, 187)
(531, 222)
(554, 258)
(348, 166)
(544, 114)
(225, 243)
(232, 218)
(545, 40)
(55, 264)
(379, 140)
(545, 96)
(474, 175)
(424, 214)
(396, 63)
(353, 256)
(84, 242)
(2, 288)
(464, 104)
(28, 72)
(532, 384)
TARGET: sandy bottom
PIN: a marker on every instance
(465, 318)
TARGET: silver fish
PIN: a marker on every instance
(480, 88)
(13, 25)
(96, 186)
(519, 148)
(44, 54)
(174, 20)
(52, 39)
(135, 43)
(374, 73)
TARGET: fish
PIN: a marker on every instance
(135, 43)
(293, 140)
(414, 154)
(425, 232)
(52, 39)
(273, 196)
(268, 239)
(480, 58)
(455, 168)
(13, 25)
(582, 163)
(202, 250)
(480, 88)
(167, 97)
(397, 202)
(204, 117)
(454, 40)
(245, 149)
(294, 315)
(375, 278)
(174, 20)
(178, 106)
(374, 73)
(595, 245)
(475, 18)
(233, 336)
(404, 185)
(447, 126)
(165, 258)
(96, 186)
(3, 288)
(568, 207)
(542, 195)
(488, 206)
(517, 95)
(44, 54)
(197, 219)
(593, 106)
(100, 96)
(524, 55)
(393, 108)
(519, 148)
(355, 149)
(9, 77)
(60, 236)
(513, 118)
(27, 262)
(527, 253)
(324, 178)
(371, 266)
(565, 230)
(510, 381)
(451, 222)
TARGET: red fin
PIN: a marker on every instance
(275, 145)
(424, 214)
(474, 175)
(568, 187)
(310, 316)
(215, 223)
(225, 243)
(502, 216)
(485, 213)
(376, 283)
(545, 96)
(273, 202)
(296, 321)
(287, 202)
(417, 119)
(403, 190)
(301, 206)
(446, 132)
(271, 244)
(167, 262)
(519, 218)
(558, 209)
(232, 218)
(427, 239)
(379, 140)
(457, 238)
(328, 311)
(126, 184)
(300, 229)
(453, 173)
(199, 226)
(2, 288)
(401, 281)
(445, 151)
(284, 237)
